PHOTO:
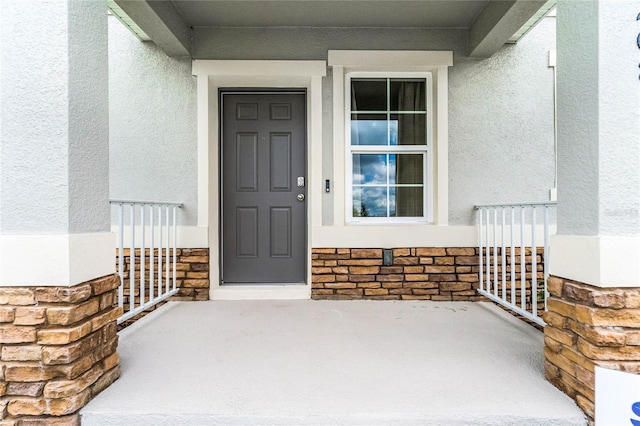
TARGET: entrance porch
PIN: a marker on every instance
(309, 362)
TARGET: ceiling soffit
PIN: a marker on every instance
(491, 23)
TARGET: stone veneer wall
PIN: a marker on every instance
(192, 276)
(416, 273)
(58, 350)
(589, 326)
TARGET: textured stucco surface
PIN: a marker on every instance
(501, 126)
(619, 130)
(599, 119)
(152, 106)
(53, 116)
(88, 118)
(577, 119)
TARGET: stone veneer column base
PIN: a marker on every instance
(416, 273)
(589, 326)
(58, 350)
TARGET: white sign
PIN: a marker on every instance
(617, 398)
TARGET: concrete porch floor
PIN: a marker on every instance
(307, 362)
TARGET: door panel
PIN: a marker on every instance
(263, 155)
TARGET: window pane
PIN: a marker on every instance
(393, 131)
(411, 128)
(369, 129)
(370, 201)
(369, 95)
(406, 202)
(406, 169)
(369, 169)
(407, 95)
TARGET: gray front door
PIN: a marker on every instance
(263, 188)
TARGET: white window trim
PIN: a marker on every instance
(350, 62)
(428, 166)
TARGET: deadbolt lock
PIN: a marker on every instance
(300, 197)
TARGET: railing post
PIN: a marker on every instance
(480, 248)
(534, 264)
(488, 256)
(151, 251)
(175, 245)
(503, 258)
(495, 252)
(166, 277)
(121, 253)
(513, 259)
(160, 254)
(523, 267)
(143, 255)
(546, 254)
(132, 260)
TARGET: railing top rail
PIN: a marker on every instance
(531, 204)
(155, 203)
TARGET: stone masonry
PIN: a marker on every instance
(58, 350)
(415, 273)
(586, 327)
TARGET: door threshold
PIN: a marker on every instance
(260, 292)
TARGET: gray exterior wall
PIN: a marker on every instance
(152, 124)
(500, 110)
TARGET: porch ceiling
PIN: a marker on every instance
(490, 23)
(332, 13)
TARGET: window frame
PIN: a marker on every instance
(425, 150)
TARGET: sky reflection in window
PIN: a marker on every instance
(370, 201)
(374, 132)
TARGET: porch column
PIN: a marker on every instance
(57, 281)
(594, 308)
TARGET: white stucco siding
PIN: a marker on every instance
(152, 130)
(599, 124)
(619, 130)
(577, 74)
(88, 118)
(501, 142)
(53, 117)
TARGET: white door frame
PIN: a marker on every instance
(213, 75)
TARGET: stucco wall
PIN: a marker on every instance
(54, 118)
(501, 146)
(599, 124)
(152, 124)
(500, 109)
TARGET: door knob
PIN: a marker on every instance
(300, 197)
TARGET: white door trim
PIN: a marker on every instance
(213, 75)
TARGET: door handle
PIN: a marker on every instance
(300, 197)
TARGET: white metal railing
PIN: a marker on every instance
(151, 264)
(514, 255)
